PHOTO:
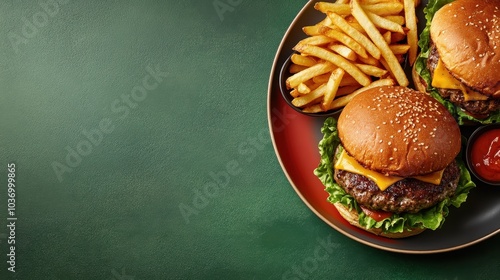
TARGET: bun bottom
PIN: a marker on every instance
(417, 81)
(352, 217)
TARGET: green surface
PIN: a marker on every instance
(132, 207)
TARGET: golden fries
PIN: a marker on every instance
(346, 40)
(378, 40)
(303, 60)
(344, 51)
(384, 23)
(337, 60)
(342, 101)
(411, 24)
(355, 34)
(358, 45)
(381, 9)
(306, 74)
(372, 70)
(332, 87)
(309, 98)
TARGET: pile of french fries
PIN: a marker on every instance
(360, 44)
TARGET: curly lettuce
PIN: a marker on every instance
(431, 218)
(420, 67)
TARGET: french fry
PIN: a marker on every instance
(370, 60)
(344, 51)
(303, 60)
(338, 8)
(342, 101)
(294, 68)
(346, 40)
(411, 24)
(378, 40)
(307, 99)
(385, 23)
(331, 87)
(356, 41)
(315, 40)
(338, 60)
(347, 80)
(399, 49)
(372, 70)
(355, 34)
(312, 30)
(321, 79)
(396, 19)
(306, 74)
(381, 9)
(417, 2)
(362, 2)
(385, 8)
(302, 88)
(387, 37)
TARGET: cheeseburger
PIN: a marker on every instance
(459, 62)
(390, 164)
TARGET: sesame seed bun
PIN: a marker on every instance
(467, 36)
(398, 131)
(353, 218)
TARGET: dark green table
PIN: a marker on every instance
(120, 115)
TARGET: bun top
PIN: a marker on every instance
(467, 36)
(398, 131)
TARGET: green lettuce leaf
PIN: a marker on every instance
(420, 67)
(431, 218)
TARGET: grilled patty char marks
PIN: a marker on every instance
(408, 195)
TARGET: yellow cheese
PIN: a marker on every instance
(443, 79)
(432, 178)
(348, 163)
(473, 95)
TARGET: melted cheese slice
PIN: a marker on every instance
(348, 163)
(443, 79)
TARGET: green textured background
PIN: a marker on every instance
(117, 214)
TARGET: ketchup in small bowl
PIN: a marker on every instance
(483, 154)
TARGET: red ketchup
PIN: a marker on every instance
(485, 155)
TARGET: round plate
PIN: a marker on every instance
(296, 136)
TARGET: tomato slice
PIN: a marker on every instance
(377, 215)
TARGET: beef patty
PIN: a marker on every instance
(408, 195)
(456, 96)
